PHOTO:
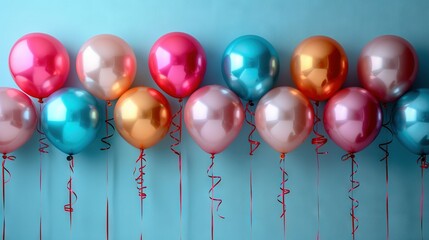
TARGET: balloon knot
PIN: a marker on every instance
(4, 156)
(40, 100)
(282, 155)
(70, 157)
(180, 100)
(109, 103)
(251, 103)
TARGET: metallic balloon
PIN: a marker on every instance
(214, 116)
(106, 66)
(387, 67)
(39, 64)
(250, 66)
(71, 119)
(18, 119)
(411, 121)
(284, 118)
(177, 63)
(142, 117)
(352, 119)
(319, 67)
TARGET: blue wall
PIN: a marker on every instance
(215, 23)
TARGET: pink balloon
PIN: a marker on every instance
(387, 67)
(214, 116)
(18, 119)
(284, 118)
(352, 118)
(39, 64)
(177, 63)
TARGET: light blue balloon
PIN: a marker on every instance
(411, 121)
(71, 119)
(250, 66)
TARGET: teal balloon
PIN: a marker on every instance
(71, 119)
(250, 67)
(411, 121)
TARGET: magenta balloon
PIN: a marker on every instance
(284, 118)
(352, 118)
(214, 116)
(18, 119)
(387, 67)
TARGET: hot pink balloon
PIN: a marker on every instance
(17, 119)
(284, 118)
(177, 63)
(352, 119)
(387, 67)
(39, 64)
(214, 116)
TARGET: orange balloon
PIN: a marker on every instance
(319, 67)
(142, 117)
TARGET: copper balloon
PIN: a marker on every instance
(142, 117)
(106, 66)
(319, 67)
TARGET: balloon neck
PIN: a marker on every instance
(70, 157)
(423, 163)
(251, 103)
(212, 156)
(282, 155)
(180, 100)
(109, 103)
(40, 100)
(4, 155)
(317, 103)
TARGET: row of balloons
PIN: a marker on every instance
(106, 66)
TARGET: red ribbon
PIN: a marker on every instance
(141, 163)
(176, 136)
(69, 206)
(284, 191)
(354, 184)
(5, 180)
(43, 149)
(319, 140)
(215, 181)
(423, 165)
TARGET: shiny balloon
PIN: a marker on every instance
(319, 67)
(39, 64)
(214, 116)
(142, 116)
(250, 67)
(411, 120)
(284, 118)
(352, 119)
(71, 119)
(106, 66)
(387, 67)
(177, 63)
(18, 119)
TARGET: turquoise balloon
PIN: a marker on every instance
(71, 119)
(250, 67)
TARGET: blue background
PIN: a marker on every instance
(214, 23)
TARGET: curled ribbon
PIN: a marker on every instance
(69, 206)
(215, 181)
(354, 185)
(283, 190)
(5, 180)
(43, 149)
(139, 178)
(423, 165)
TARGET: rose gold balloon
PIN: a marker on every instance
(387, 67)
(284, 118)
(142, 117)
(319, 67)
(106, 66)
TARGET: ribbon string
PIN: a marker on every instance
(423, 165)
(139, 178)
(43, 149)
(5, 180)
(283, 191)
(72, 194)
(215, 181)
(354, 185)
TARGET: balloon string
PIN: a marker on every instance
(385, 148)
(176, 136)
(284, 191)
(69, 206)
(106, 141)
(139, 178)
(423, 165)
(43, 149)
(253, 146)
(354, 185)
(319, 140)
(5, 180)
(215, 181)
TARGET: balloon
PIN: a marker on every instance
(71, 119)
(18, 119)
(39, 64)
(142, 117)
(387, 67)
(319, 67)
(284, 118)
(106, 66)
(352, 119)
(214, 116)
(177, 63)
(410, 120)
(250, 66)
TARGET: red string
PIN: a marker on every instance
(423, 165)
(139, 178)
(43, 149)
(176, 136)
(354, 185)
(69, 206)
(215, 181)
(284, 191)
(5, 180)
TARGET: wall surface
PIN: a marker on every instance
(284, 23)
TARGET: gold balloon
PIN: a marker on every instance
(319, 67)
(142, 117)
